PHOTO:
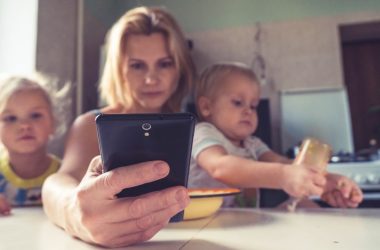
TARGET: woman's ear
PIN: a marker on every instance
(204, 106)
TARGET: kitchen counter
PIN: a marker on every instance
(28, 228)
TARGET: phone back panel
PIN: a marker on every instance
(123, 141)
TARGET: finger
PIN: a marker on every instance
(95, 168)
(356, 197)
(134, 208)
(112, 182)
(329, 199)
(339, 199)
(139, 228)
(344, 187)
(161, 200)
(352, 204)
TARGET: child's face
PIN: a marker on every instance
(233, 107)
(26, 122)
(150, 72)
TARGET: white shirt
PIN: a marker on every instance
(207, 135)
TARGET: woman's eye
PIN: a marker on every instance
(35, 116)
(9, 118)
(237, 103)
(137, 66)
(166, 64)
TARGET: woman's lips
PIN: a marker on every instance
(153, 94)
(27, 137)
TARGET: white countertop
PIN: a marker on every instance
(322, 229)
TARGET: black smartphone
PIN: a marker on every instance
(126, 139)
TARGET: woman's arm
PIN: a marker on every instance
(87, 207)
(80, 148)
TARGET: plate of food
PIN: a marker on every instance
(206, 201)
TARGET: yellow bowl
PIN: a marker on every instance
(204, 202)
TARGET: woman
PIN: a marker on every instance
(148, 69)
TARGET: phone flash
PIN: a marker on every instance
(146, 133)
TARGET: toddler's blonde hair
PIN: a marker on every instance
(57, 97)
(212, 79)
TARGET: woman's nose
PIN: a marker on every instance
(151, 78)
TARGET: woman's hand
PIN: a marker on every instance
(5, 207)
(97, 216)
(341, 192)
(301, 181)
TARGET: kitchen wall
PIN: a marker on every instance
(18, 30)
(203, 15)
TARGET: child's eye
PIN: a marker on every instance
(253, 107)
(35, 116)
(237, 103)
(166, 64)
(10, 119)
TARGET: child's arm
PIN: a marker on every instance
(241, 172)
(340, 191)
(5, 207)
(271, 156)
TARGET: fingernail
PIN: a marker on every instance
(161, 168)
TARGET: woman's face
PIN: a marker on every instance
(150, 72)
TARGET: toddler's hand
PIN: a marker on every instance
(5, 207)
(341, 192)
(300, 181)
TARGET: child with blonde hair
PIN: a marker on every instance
(29, 115)
(226, 154)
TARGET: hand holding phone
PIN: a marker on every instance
(126, 139)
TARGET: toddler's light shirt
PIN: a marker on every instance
(207, 135)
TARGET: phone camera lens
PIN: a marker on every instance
(146, 126)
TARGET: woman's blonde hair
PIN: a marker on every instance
(145, 21)
(57, 97)
(212, 79)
